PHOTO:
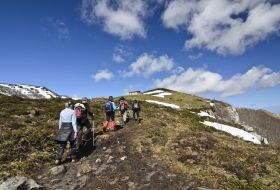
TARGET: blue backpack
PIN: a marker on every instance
(108, 107)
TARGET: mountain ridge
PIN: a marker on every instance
(28, 91)
(41, 92)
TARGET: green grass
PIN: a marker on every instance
(211, 157)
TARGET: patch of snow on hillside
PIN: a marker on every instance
(154, 92)
(30, 91)
(233, 131)
(162, 94)
(202, 113)
(211, 104)
(164, 104)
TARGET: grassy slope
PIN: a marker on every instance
(177, 138)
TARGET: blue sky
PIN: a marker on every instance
(218, 49)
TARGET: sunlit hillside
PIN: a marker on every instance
(174, 139)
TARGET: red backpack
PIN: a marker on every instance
(80, 111)
(123, 105)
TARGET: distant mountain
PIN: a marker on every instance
(28, 91)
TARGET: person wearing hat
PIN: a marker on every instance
(123, 105)
(67, 132)
(84, 121)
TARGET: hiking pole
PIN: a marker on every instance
(92, 132)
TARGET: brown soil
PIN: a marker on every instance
(115, 163)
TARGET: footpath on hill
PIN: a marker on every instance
(114, 163)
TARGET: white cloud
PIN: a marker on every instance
(103, 74)
(178, 70)
(223, 26)
(202, 81)
(59, 26)
(122, 52)
(121, 18)
(269, 80)
(196, 56)
(147, 65)
(118, 58)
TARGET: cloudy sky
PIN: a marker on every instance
(219, 49)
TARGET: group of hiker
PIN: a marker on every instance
(75, 116)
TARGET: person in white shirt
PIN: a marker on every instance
(67, 132)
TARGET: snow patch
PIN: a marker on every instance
(233, 131)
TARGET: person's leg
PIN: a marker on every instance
(73, 151)
(106, 122)
(133, 114)
(112, 124)
(138, 118)
(60, 152)
(87, 124)
(79, 135)
(137, 113)
(124, 116)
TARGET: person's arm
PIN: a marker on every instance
(59, 123)
(114, 106)
(88, 110)
(74, 122)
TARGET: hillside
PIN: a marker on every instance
(172, 149)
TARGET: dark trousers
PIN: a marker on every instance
(80, 124)
(110, 115)
(136, 112)
(62, 146)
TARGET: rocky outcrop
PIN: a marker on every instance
(263, 123)
(19, 183)
(226, 112)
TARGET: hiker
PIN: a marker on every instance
(119, 101)
(84, 121)
(110, 108)
(123, 107)
(136, 110)
(67, 132)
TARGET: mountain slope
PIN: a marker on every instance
(170, 150)
(27, 91)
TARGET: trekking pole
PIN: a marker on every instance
(92, 132)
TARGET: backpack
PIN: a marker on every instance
(123, 105)
(108, 106)
(79, 110)
(135, 105)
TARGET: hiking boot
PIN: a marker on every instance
(74, 160)
(104, 130)
(57, 162)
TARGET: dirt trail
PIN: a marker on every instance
(114, 163)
